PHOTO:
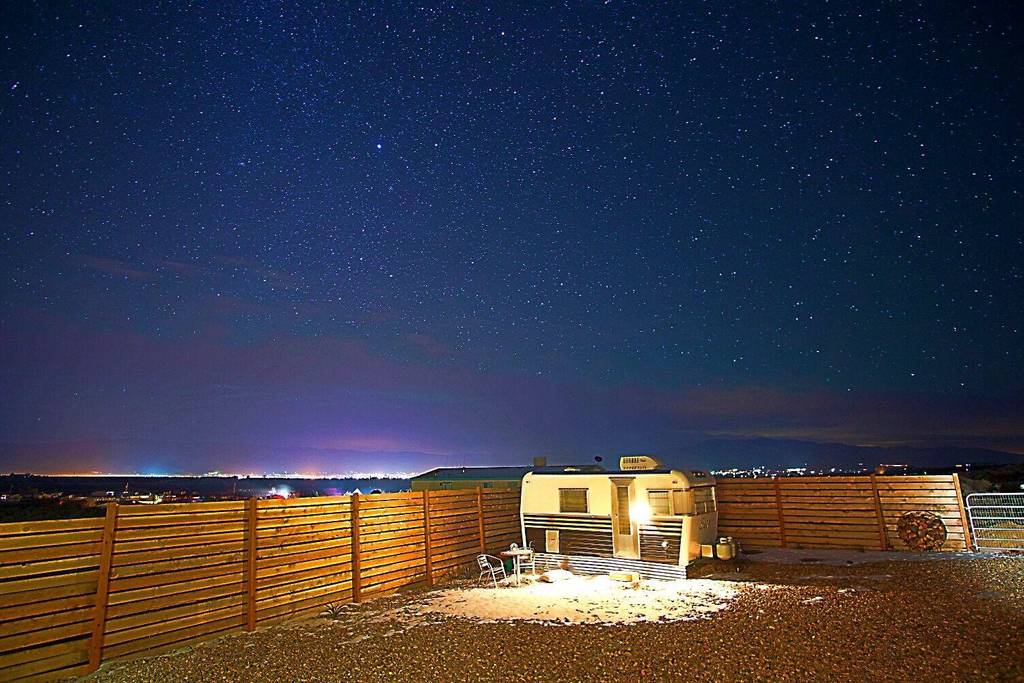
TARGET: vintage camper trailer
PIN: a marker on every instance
(639, 518)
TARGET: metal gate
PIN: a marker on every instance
(997, 520)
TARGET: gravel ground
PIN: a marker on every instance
(945, 620)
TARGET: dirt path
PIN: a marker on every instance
(949, 620)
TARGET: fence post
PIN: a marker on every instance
(99, 618)
(480, 515)
(251, 549)
(968, 544)
(778, 509)
(883, 536)
(427, 551)
(357, 571)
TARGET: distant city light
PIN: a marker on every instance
(242, 475)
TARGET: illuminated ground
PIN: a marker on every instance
(582, 600)
(940, 620)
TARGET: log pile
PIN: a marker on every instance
(922, 531)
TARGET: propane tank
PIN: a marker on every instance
(725, 548)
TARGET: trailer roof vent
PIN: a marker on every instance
(633, 463)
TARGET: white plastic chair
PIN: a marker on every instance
(489, 568)
(528, 560)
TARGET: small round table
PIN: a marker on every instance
(516, 556)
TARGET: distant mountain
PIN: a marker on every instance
(780, 453)
(155, 458)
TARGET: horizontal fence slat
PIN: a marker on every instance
(48, 526)
(178, 508)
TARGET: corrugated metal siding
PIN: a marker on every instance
(578, 534)
(603, 565)
(656, 533)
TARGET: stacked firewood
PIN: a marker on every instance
(921, 530)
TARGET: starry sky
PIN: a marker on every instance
(338, 237)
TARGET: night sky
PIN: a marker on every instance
(351, 237)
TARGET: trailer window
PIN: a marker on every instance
(659, 502)
(704, 500)
(572, 500)
(682, 503)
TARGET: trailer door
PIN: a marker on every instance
(625, 537)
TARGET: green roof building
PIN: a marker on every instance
(445, 478)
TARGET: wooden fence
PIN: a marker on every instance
(149, 577)
(837, 512)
